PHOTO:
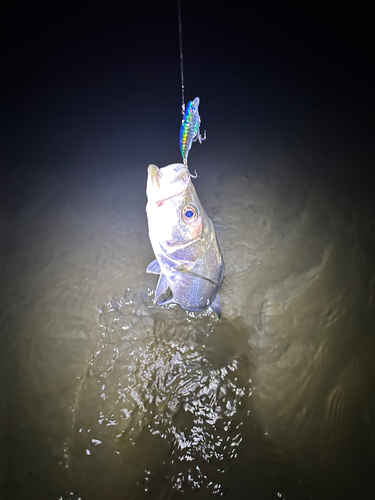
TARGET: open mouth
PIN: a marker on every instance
(156, 175)
(156, 179)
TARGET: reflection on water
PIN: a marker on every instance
(155, 383)
(113, 397)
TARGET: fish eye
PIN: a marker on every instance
(189, 213)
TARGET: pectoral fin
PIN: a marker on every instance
(161, 287)
(165, 302)
(216, 306)
(153, 267)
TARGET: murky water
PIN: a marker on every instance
(111, 397)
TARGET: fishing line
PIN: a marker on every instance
(181, 56)
(190, 126)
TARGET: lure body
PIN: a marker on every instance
(189, 131)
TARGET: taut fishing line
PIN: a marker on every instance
(190, 127)
(181, 56)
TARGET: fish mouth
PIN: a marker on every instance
(171, 181)
(154, 175)
(172, 173)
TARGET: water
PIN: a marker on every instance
(112, 397)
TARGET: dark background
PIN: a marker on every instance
(99, 83)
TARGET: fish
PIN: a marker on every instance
(188, 260)
(190, 128)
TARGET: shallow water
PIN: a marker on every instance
(112, 397)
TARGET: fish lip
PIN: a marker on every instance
(154, 175)
(155, 182)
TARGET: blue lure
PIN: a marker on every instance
(189, 131)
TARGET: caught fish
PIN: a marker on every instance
(190, 131)
(188, 257)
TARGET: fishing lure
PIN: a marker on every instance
(190, 128)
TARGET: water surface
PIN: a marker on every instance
(113, 397)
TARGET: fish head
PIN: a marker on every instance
(174, 212)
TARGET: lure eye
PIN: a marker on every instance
(189, 213)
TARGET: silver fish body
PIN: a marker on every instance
(188, 257)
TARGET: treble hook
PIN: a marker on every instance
(191, 175)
